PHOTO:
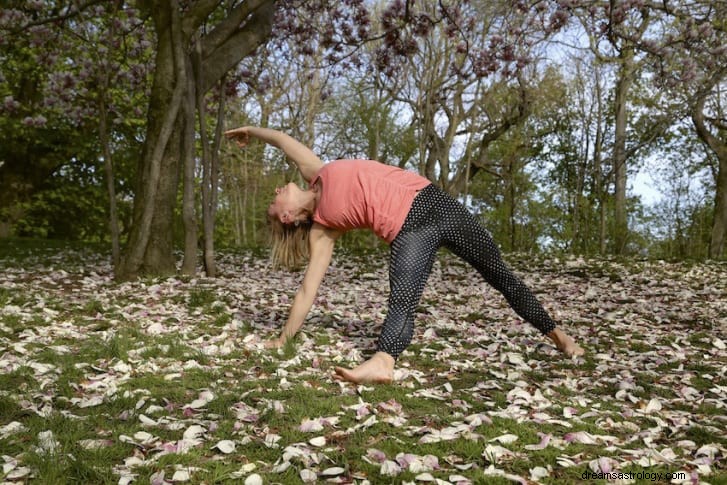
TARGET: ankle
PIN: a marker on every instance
(561, 340)
(386, 359)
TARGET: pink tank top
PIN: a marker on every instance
(358, 194)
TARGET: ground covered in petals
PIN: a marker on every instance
(166, 381)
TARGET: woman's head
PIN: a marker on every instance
(289, 216)
(291, 204)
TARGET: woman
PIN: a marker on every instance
(401, 207)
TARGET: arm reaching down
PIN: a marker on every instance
(307, 162)
(322, 241)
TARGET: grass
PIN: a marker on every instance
(98, 365)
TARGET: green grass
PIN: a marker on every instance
(99, 344)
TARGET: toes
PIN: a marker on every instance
(342, 374)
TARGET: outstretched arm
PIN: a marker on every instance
(307, 162)
(322, 241)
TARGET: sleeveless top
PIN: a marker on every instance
(358, 194)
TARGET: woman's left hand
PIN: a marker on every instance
(240, 135)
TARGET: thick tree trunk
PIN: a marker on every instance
(242, 30)
(159, 255)
(150, 244)
(719, 147)
(719, 225)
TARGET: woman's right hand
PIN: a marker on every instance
(241, 136)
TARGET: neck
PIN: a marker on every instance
(310, 202)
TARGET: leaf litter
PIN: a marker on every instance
(650, 394)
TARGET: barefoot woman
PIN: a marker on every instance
(404, 209)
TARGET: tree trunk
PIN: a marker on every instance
(105, 141)
(601, 186)
(719, 147)
(719, 224)
(242, 204)
(189, 263)
(240, 32)
(623, 84)
(210, 182)
(109, 172)
(150, 244)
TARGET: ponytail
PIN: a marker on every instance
(289, 243)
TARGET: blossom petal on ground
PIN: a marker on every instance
(225, 446)
(308, 476)
(544, 440)
(505, 439)
(254, 479)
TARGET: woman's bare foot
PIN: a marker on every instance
(565, 344)
(379, 369)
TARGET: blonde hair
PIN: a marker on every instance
(289, 243)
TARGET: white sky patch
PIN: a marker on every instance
(644, 185)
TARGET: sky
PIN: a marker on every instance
(644, 185)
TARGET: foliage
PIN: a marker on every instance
(358, 78)
(52, 81)
(683, 168)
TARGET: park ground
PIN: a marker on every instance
(164, 380)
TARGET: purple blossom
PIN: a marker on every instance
(38, 121)
(10, 104)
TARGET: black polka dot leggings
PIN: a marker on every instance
(434, 220)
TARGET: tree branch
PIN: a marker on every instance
(228, 27)
(703, 132)
(481, 161)
(243, 42)
(58, 18)
(197, 14)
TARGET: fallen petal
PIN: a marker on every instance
(545, 439)
(193, 432)
(505, 439)
(308, 476)
(318, 441)
(254, 479)
(538, 472)
(333, 471)
(225, 446)
(181, 476)
(390, 468)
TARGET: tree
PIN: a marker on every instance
(689, 57)
(450, 88)
(682, 219)
(711, 130)
(224, 40)
(621, 51)
(686, 49)
(56, 90)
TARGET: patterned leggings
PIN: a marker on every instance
(434, 220)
